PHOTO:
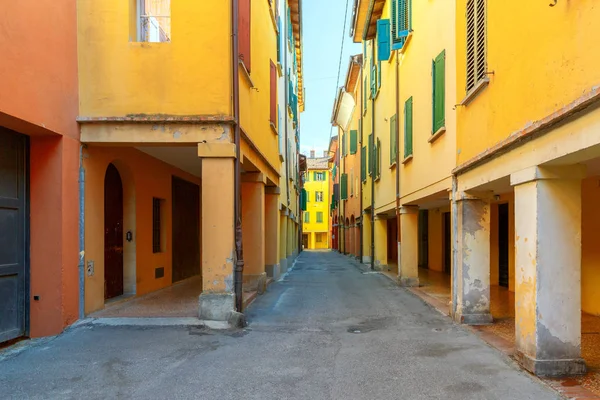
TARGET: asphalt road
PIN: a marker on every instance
(325, 331)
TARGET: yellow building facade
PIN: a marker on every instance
(183, 128)
(481, 158)
(315, 219)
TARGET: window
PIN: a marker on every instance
(156, 225)
(476, 57)
(438, 74)
(365, 91)
(401, 22)
(383, 40)
(307, 217)
(371, 158)
(373, 72)
(319, 176)
(393, 140)
(353, 141)
(319, 197)
(273, 95)
(363, 164)
(344, 140)
(378, 160)
(408, 127)
(344, 187)
(153, 21)
(319, 217)
(244, 41)
(351, 182)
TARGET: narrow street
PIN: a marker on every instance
(326, 330)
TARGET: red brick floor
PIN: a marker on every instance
(435, 290)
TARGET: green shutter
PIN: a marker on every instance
(363, 164)
(365, 90)
(393, 140)
(303, 199)
(344, 187)
(439, 81)
(353, 141)
(378, 160)
(408, 127)
(373, 72)
(370, 155)
(319, 217)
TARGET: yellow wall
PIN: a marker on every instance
(255, 100)
(143, 178)
(558, 45)
(433, 25)
(313, 207)
(191, 75)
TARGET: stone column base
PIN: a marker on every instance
(256, 283)
(381, 267)
(474, 319)
(408, 282)
(290, 261)
(552, 368)
(366, 259)
(273, 271)
(216, 306)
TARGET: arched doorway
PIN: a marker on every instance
(113, 233)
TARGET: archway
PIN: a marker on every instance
(113, 233)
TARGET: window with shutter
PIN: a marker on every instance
(365, 91)
(273, 95)
(408, 127)
(393, 140)
(383, 40)
(438, 74)
(363, 164)
(373, 72)
(319, 217)
(370, 155)
(306, 217)
(401, 22)
(476, 38)
(378, 160)
(344, 187)
(353, 141)
(244, 33)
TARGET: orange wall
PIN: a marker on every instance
(151, 178)
(590, 251)
(38, 71)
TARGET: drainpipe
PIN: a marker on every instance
(346, 203)
(239, 250)
(81, 265)
(398, 150)
(373, 174)
(362, 129)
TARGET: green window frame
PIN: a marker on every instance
(353, 141)
(344, 187)
(319, 217)
(438, 74)
(371, 158)
(307, 217)
(401, 22)
(365, 96)
(363, 164)
(393, 139)
(408, 127)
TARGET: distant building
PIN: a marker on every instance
(316, 217)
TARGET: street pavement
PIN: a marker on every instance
(328, 329)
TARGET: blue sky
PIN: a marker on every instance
(322, 25)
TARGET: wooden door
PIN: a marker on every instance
(113, 233)
(503, 245)
(186, 229)
(447, 243)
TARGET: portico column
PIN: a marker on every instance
(253, 228)
(548, 269)
(272, 231)
(471, 275)
(408, 272)
(283, 266)
(217, 300)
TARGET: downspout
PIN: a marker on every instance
(398, 152)
(239, 250)
(374, 150)
(81, 265)
(346, 228)
(362, 129)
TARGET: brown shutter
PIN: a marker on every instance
(244, 32)
(273, 113)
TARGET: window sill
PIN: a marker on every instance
(393, 165)
(407, 159)
(273, 128)
(246, 73)
(473, 93)
(378, 178)
(402, 50)
(437, 134)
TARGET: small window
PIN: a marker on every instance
(319, 197)
(306, 217)
(319, 217)
(157, 225)
(319, 176)
(408, 127)
(153, 21)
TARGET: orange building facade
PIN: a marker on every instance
(39, 161)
